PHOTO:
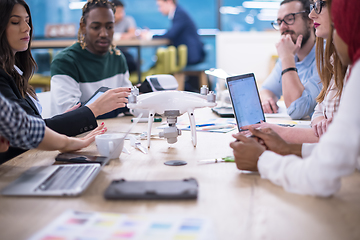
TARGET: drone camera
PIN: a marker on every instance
(204, 90)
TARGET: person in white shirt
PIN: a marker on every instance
(322, 165)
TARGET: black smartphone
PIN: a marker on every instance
(96, 95)
(81, 158)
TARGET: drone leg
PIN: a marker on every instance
(192, 126)
(150, 121)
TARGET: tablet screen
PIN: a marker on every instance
(245, 100)
(94, 97)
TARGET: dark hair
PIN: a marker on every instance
(304, 3)
(117, 3)
(23, 60)
(91, 4)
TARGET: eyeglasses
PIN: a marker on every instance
(317, 6)
(288, 19)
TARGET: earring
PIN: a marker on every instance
(113, 48)
(82, 41)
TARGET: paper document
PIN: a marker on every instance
(97, 225)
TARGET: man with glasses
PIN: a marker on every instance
(295, 75)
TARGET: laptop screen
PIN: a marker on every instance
(245, 100)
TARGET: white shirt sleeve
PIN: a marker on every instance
(336, 154)
(65, 93)
(307, 148)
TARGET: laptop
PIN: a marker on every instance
(245, 100)
(225, 112)
(54, 180)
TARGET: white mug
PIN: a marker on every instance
(110, 145)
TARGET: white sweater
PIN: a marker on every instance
(336, 155)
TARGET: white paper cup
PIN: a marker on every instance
(110, 145)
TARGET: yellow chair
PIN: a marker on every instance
(162, 66)
(178, 58)
(177, 68)
(42, 79)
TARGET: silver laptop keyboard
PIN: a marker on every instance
(67, 177)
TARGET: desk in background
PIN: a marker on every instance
(241, 206)
(137, 43)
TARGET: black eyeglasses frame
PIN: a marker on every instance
(276, 24)
(316, 6)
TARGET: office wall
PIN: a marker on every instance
(245, 52)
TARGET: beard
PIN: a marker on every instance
(306, 35)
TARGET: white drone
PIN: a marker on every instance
(171, 104)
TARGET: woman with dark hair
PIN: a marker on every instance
(17, 66)
(337, 153)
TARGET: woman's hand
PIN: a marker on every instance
(110, 100)
(4, 144)
(321, 127)
(55, 141)
(74, 144)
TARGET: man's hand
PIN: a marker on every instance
(4, 144)
(73, 108)
(268, 101)
(269, 105)
(286, 47)
(246, 152)
(321, 127)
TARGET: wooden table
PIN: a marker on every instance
(136, 43)
(241, 206)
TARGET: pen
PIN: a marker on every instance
(216, 127)
(216, 160)
(145, 120)
(205, 125)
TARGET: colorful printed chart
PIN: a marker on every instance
(74, 225)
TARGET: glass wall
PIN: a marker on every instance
(246, 15)
(226, 15)
(145, 12)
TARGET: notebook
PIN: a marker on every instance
(54, 180)
(245, 100)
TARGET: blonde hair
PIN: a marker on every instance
(329, 66)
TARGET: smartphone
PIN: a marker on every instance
(81, 158)
(96, 95)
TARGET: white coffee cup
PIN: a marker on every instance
(110, 145)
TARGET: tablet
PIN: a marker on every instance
(165, 190)
(96, 95)
(81, 158)
(245, 99)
